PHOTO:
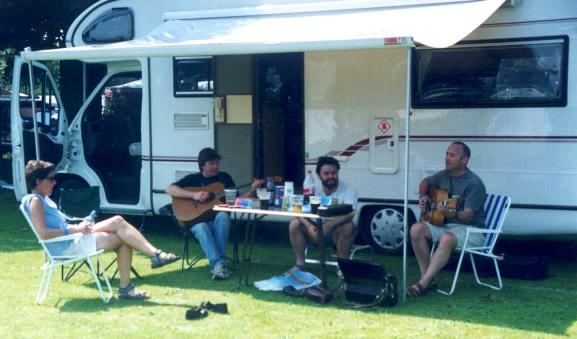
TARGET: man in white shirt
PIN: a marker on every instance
(341, 230)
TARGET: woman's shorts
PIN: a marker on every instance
(83, 245)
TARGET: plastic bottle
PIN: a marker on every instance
(91, 218)
(309, 184)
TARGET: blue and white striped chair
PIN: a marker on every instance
(496, 208)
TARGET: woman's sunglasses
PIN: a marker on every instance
(50, 177)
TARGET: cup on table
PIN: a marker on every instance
(315, 202)
(260, 192)
(230, 196)
(297, 203)
(263, 197)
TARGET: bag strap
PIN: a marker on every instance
(341, 301)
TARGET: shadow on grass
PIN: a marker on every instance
(96, 305)
(536, 306)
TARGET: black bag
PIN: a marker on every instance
(365, 285)
(334, 210)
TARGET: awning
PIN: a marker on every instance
(433, 24)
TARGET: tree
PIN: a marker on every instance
(38, 24)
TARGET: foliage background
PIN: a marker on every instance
(38, 24)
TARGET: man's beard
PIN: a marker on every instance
(330, 183)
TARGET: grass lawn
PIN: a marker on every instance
(522, 309)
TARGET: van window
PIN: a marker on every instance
(46, 106)
(114, 25)
(517, 73)
(111, 136)
(193, 77)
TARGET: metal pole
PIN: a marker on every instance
(33, 106)
(406, 198)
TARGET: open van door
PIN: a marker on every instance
(38, 120)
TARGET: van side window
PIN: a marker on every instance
(193, 77)
(114, 25)
(514, 73)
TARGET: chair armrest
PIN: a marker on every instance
(62, 238)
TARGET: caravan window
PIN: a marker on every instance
(193, 77)
(518, 73)
(114, 25)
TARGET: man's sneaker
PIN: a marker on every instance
(219, 271)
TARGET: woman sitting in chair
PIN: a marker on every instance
(112, 233)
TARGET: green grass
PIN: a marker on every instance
(522, 309)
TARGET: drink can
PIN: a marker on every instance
(278, 196)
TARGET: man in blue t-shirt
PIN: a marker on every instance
(212, 234)
(464, 185)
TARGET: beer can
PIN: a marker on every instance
(278, 196)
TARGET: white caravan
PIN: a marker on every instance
(273, 85)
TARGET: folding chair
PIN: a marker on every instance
(53, 262)
(76, 203)
(354, 249)
(496, 208)
(187, 261)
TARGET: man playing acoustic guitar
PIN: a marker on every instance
(211, 230)
(467, 188)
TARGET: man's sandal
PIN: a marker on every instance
(124, 293)
(161, 258)
(417, 289)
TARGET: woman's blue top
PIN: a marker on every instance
(55, 220)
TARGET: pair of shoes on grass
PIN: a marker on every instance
(201, 311)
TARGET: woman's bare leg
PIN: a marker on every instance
(127, 234)
(124, 256)
(111, 241)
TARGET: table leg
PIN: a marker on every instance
(319, 225)
(243, 261)
(251, 246)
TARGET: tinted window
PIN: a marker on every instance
(193, 77)
(498, 74)
(115, 25)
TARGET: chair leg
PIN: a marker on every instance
(104, 297)
(72, 271)
(44, 283)
(188, 263)
(456, 276)
(500, 282)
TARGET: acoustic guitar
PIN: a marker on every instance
(189, 211)
(431, 214)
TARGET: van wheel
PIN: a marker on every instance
(383, 228)
(66, 183)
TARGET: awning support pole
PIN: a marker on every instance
(406, 198)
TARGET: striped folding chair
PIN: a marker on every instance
(496, 208)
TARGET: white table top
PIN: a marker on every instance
(234, 209)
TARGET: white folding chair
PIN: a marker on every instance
(53, 262)
(496, 208)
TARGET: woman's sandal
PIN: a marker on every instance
(124, 293)
(161, 258)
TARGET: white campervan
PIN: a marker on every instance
(273, 85)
